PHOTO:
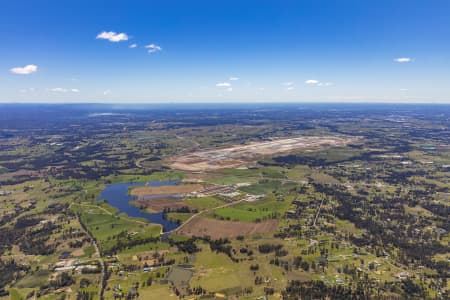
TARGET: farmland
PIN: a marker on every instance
(217, 229)
(277, 202)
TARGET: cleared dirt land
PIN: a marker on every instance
(225, 229)
(165, 190)
(159, 204)
(238, 155)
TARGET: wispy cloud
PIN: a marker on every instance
(132, 46)
(233, 78)
(402, 59)
(63, 90)
(28, 69)
(152, 48)
(312, 81)
(290, 88)
(112, 36)
(223, 84)
(288, 83)
(58, 90)
(107, 92)
(230, 89)
(317, 82)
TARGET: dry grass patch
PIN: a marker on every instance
(217, 229)
(156, 205)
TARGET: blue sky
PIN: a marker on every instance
(225, 51)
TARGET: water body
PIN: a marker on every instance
(117, 196)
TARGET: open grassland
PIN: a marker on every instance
(157, 292)
(267, 186)
(179, 217)
(202, 203)
(157, 176)
(217, 273)
(109, 229)
(268, 208)
(230, 179)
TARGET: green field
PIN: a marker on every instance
(182, 217)
(254, 211)
(204, 202)
(268, 186)
(157, 176)
(106, 228)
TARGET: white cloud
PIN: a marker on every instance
(223, 84)
(317, 82)
(28, 69)
(107, 92)
(230, 89)
(290, 88)
(402, 59)
(133, 46)
(58, 90)
(403, 90)
(112, 36)
(152, 48)
(63, 90)
(311, 81)
(233, 78)
(289, 83)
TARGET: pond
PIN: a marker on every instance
(117, 196)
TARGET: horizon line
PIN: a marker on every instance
(227, 102)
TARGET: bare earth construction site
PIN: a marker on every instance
(240, 155)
